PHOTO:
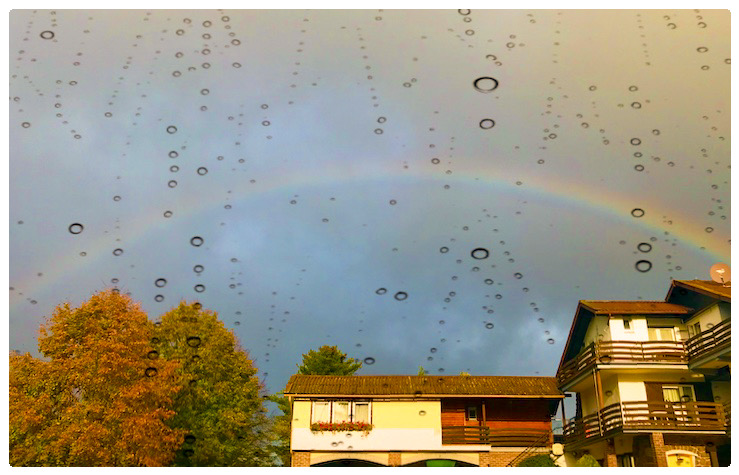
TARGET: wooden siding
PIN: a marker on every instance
(499, 414)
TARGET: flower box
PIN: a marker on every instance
(341, 427)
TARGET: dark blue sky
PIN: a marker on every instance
(323, 155)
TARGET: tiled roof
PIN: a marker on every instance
(638, 307)
(420, 386)
(706, 287)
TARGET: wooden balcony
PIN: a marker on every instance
(727, 417)
(648, 416)
(706, 342)
(481, 435)
(622, 352)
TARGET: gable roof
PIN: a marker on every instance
(705, 287)
(587, 309)
(635, 307)
(423, 386)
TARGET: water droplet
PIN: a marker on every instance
(202, 171)
(193, 341)
(518, 275)
(393, 202)
(709, 229)
(167, 214)
(196, 241)
(161, 282)
(550, 341)
(489, 326)
(26, 125)
(199, 288)
(381, 291)
(171, 129)
(369, 360)
(150, 372)
(487, 124)
(117, 252)
(381, 120)
(635, 141)
(47, 35)
(401, 296)
(159, 298)
(637, 212)
(643, 265)
(702, 49)
(76, 228)
(644, 247)
(485, 84)
(480, 253)
(378, 131)
(198, 268)
(152, 355)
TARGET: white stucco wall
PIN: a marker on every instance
(597, 330)
(638, 331)
(707, 318)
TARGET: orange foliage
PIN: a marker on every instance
(104, 396)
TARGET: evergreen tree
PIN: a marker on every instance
(328, 360)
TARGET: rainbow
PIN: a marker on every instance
(583, 196)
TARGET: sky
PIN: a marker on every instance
(431, 188)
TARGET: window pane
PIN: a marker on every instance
(361, 412)
(671, 394)
(340, 411)
(320, 412)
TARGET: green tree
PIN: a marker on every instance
(537, 461)
(219, 405)
(422, 372)
(281, 426)
(587, 460)
(98, 400)
(328, 360)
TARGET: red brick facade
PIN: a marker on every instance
(497, 459)
(301, 459)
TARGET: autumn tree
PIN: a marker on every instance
(219, 405)
(328, 360)
(99, 399)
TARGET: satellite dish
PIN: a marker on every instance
(721, 273)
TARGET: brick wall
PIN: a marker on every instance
(301, 459)
(497, 459)
(610, 455)
(694, 444)
(651, 451)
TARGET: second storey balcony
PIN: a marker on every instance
(483, 435)
(647, 416)
(622, 352)
(710, 348)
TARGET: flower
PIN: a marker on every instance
(343, 426)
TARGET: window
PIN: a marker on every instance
(627, 324)
(321, 411)
(625, 460)
(662, 334)
(341, 411)
(471, 413)
(678, 393)
(694, 329)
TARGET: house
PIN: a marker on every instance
(420, 420)
(651, 379)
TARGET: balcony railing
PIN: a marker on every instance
(482, 435)
(620, 352)
(727, 417)
(647, 415)
(706, 341)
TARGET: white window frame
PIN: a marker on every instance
(469, 415)
(351, 410)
